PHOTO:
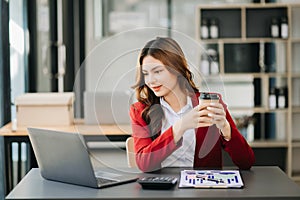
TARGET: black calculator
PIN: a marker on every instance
(157, 182)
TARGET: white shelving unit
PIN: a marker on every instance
(245, 29)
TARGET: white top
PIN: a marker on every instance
(183, 156)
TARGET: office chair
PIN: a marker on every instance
(130, 153)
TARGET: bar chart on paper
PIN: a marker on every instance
(210, 179)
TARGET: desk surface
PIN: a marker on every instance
(260, 183)
(78, 126)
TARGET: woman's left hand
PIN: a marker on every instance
(218, 117)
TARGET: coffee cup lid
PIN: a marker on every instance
(205, 95)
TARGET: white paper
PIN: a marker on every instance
(210, 179)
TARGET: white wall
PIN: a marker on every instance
(111, 65)
(110, 62)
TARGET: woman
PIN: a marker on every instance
(169, 126)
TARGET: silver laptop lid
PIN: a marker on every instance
(107, 107)
(62, 157)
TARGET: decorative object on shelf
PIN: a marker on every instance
(245, 124)
(272, 98)
(281, 98)
(250, 131)
(209, 62)
(278, 97)
(204, 64)
(261, 60)
(204, 29)
(274, 28)
(214, 28)
(214, 63)
(284, 28)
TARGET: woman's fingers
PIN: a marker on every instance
(209, 114)
(204, 124)
(216, 109)
(201, 107)
(217, 114)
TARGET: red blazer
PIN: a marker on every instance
(208, 151)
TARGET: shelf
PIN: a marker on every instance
(277, 74)
(233, 77)
(267, 5)
(258, 20)
(277, 110)
(237, 74)
(219, 6)
(246, 5)
(296, 109)
(247, 110)
(295, 15)
(259, 110)
(243, 40)
(295, 40)
(258, 75)
(245, 59)
(248, 54)
(295, 75)
(296, 144)
(243, 109)
(229, 20)
(296, 175)
(268, 144)
(266, 40)
(295, 59)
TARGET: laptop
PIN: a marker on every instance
(64, 157)
(107, 107)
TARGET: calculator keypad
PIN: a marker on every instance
(165, 182)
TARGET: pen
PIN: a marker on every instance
(210, 179)
(226, 173)
(214, 180)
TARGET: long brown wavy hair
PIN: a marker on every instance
(171, 55)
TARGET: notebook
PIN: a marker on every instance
(210, 179)
(64, 157)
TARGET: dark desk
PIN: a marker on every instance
(260, 183)
(20, 137)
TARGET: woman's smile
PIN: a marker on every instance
(156, 88)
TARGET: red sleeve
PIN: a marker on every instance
(237, 147)
(149, 153)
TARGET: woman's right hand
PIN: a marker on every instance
(195, 118)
